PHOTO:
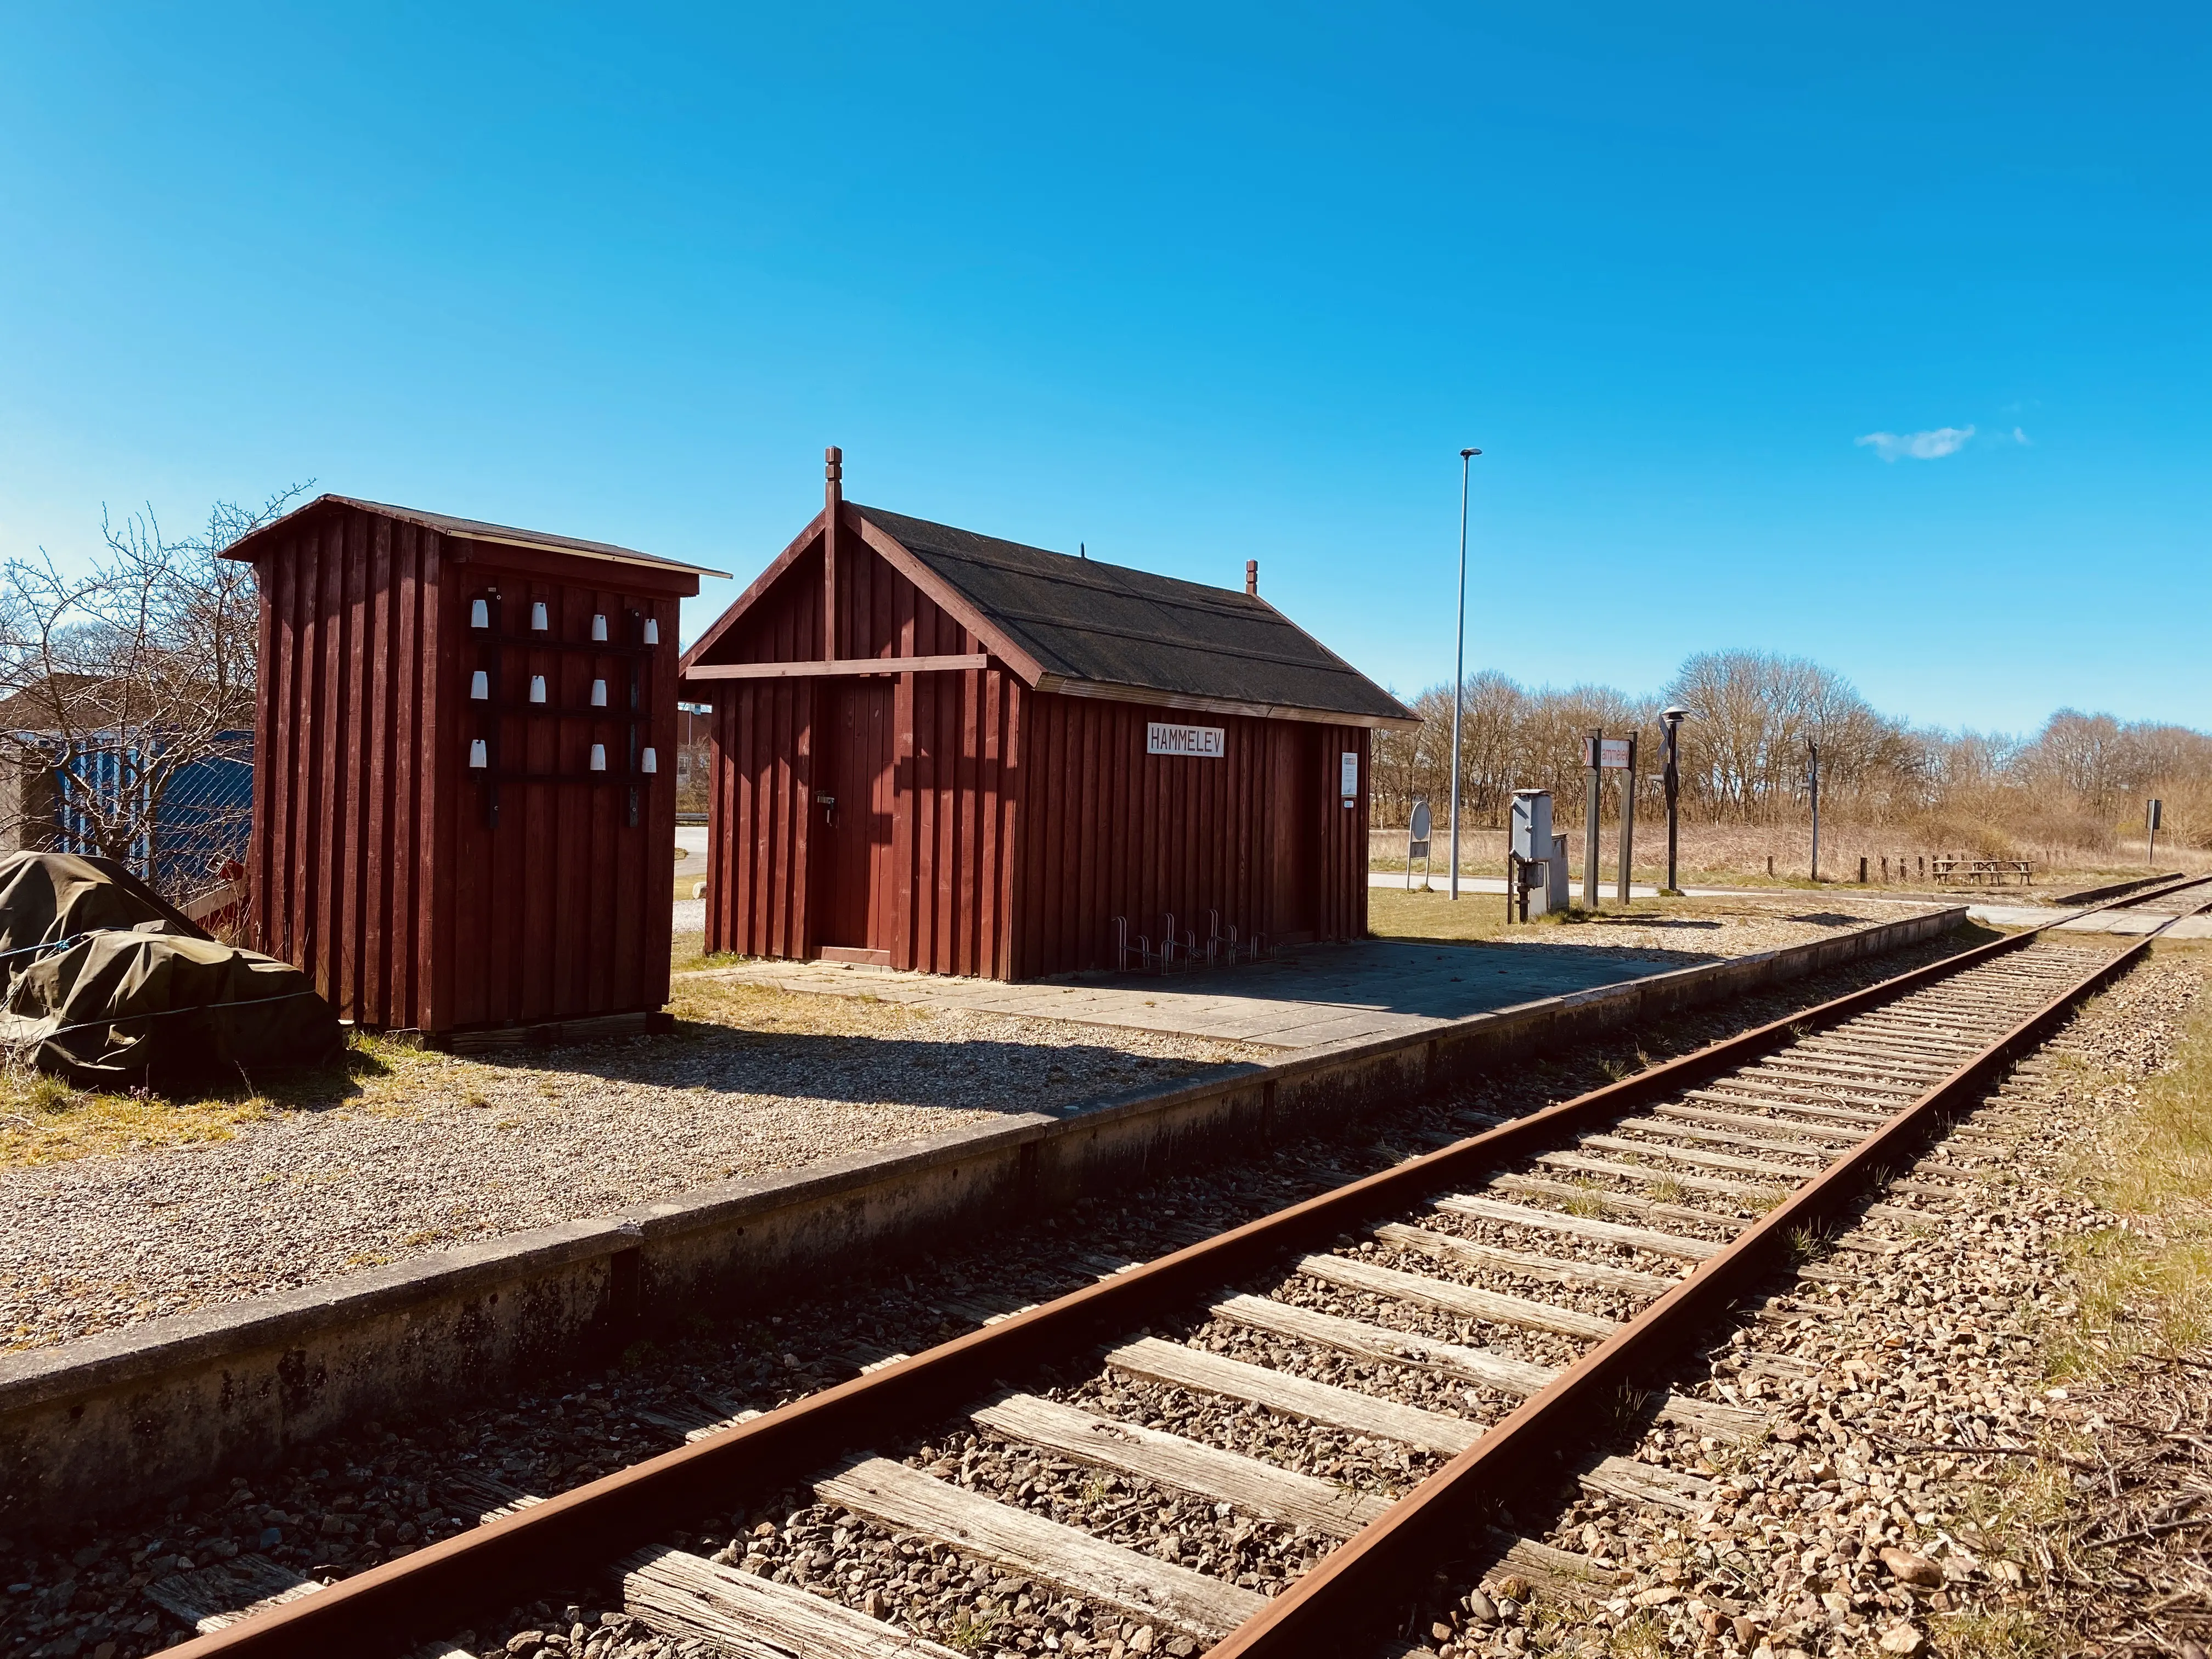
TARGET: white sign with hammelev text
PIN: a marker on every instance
(1207, 742)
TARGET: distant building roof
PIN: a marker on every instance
(1105, 625)
(92, 700)
(474, 529)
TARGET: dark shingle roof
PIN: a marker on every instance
(1085, 620)
(476, 530)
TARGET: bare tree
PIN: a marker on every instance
(128, 718)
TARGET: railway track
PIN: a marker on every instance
(2184, 895)
(1461, 1335)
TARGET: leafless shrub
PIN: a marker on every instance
(2076, 787)
(127, 727)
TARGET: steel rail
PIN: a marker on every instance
(1392, 1558)
(2129, 901)
(425, 1594)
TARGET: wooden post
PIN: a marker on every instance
(1589, 821)
(1627, 817)
(1863, 881)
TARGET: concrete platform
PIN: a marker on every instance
(1329, 993)
(2100, 922)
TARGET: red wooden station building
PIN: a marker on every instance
(935, 749)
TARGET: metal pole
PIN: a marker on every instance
(1673, 781)
(1627, 817)
(1592, 805)
(1813, 776)
(1459, 664)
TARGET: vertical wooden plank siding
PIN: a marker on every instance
(1021, 823)
(374, 868)
(1114, 831)
(403, 1006)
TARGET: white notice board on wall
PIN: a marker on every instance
(1348, 782)
(1207, 742)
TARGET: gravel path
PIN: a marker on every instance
(454, 1150)
(380, 1491)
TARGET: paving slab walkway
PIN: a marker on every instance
(1329, 993)
(2098, 921)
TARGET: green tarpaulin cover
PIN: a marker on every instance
(136, 999)
(46, 897)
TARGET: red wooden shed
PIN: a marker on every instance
(934, 750)
(463, 802)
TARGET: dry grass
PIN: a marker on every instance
(44, 1121)
(1688, 923)
(687, 954)
(2110, 1515)
(1736, 856)
(748, 1007)
(2146, 1287)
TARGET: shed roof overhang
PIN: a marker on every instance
(251, 547)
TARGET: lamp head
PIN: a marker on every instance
(1673, 713)
(1464, 454)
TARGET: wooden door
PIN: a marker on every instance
(853, 807)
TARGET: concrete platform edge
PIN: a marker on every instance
(110, 1420)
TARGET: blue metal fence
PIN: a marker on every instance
(203, 822)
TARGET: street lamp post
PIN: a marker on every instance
(1672, 718)
(1459, 662)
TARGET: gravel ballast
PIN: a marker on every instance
(374, 1494)
(1924, 1486)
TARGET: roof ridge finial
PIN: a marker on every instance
(833, 475)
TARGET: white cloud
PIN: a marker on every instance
(1919, 446)
(2022, 439)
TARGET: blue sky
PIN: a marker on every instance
(1190, 285)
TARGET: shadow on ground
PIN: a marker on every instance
(960, 1074)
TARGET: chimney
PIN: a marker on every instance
(1252, 577)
